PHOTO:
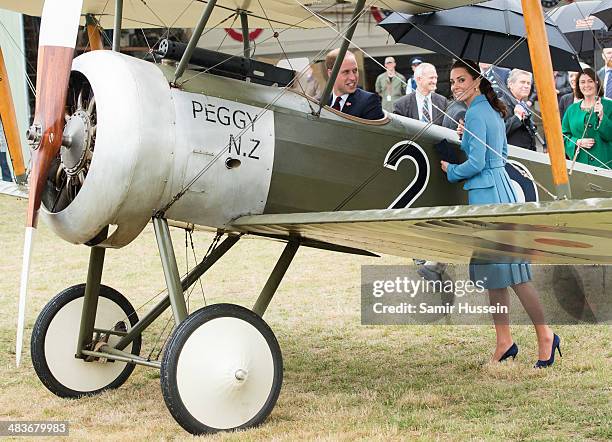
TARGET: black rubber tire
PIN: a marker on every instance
(37, 345)
(178, 339)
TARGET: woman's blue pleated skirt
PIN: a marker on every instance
(497, 275)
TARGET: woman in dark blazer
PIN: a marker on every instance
(568, 99)
(487, 182)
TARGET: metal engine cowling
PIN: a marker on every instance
(121, 180)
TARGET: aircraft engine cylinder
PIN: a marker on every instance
(117, 152)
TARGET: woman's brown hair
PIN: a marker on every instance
(593, 76)
(485, 85)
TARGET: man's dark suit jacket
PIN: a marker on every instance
(601, 73)
(562, 84)
(566, 101)
(363, 104)
(407, 106)
(516, 132)
(498, 78)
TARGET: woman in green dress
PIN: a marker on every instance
(587, 124)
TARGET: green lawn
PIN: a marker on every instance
(343, 381)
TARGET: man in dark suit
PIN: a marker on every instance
(346, 97)
(498, 77)
(423, 104)
(520, 129)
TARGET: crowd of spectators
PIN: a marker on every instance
(585, 114)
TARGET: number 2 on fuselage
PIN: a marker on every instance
(416, 154)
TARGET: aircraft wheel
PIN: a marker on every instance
(55, 336)
(222, 370)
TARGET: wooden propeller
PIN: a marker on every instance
(58, 31)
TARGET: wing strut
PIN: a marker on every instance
(117, 28)
(193, 41)
(93, 33)
(543, 74)
(348, 36)
(246, 44)
(9, 124)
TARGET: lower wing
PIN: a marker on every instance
(557, 232)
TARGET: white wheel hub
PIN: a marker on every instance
(61, 343)
(225, 373)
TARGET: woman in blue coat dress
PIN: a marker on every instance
(484, 142)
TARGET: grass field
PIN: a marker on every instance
(342, 380)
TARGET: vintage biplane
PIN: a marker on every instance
(118, 142)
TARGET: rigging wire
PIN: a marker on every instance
(25, 71)
(213, 245)
(506, 91)
(419, 133)
(211, 248)
(167, 29)
(241, 53)
(225, 34)
(299, 83)
(178, 195)
(415, 137)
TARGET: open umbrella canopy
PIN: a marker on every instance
(604, 12)
(579, 25)
(491, 32)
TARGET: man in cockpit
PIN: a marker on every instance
(346, 96)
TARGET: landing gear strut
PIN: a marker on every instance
(222, 368)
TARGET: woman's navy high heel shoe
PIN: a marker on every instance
(549, 362)
(511, 352)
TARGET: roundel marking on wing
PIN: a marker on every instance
(563, 243)
(555, 242)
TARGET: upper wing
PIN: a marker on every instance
(185, 13)
(417, 7)
(558, 232)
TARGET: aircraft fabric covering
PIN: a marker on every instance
(185, 13)
(558, 232)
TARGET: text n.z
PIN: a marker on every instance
(249, 149)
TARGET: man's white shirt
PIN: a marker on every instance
(342, 100)
(420, 99)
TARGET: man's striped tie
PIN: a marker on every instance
(425, 116)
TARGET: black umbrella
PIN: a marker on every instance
(486, 32)
(579, 25)
(604, 12)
